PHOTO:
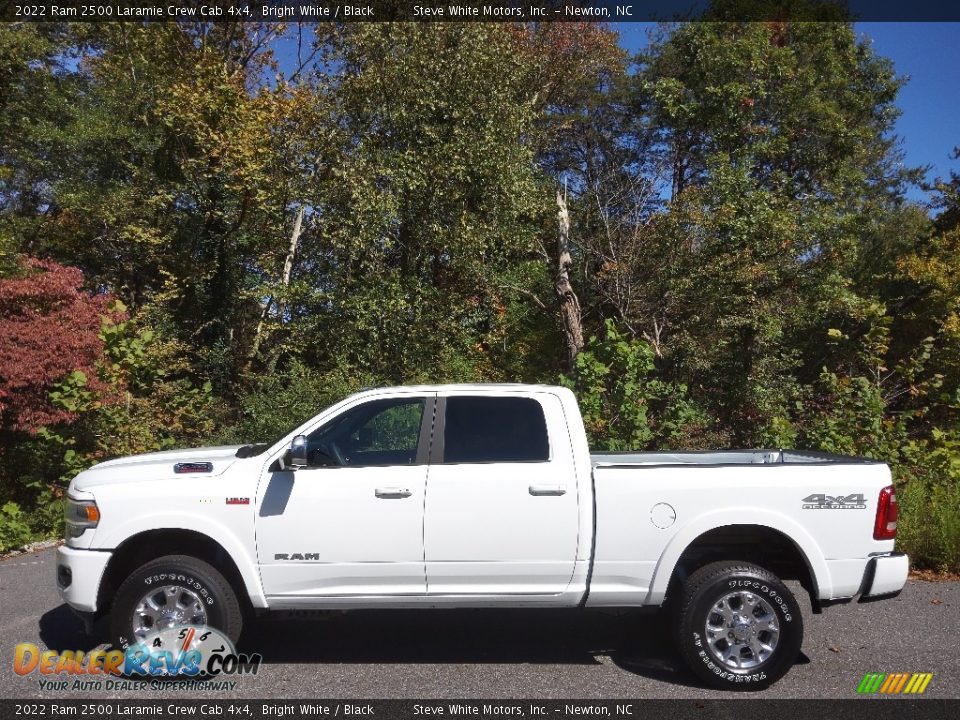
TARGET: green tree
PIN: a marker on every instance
(625, 405)
(778, 139)
(36, 94)
(927, 293)
(428, 237)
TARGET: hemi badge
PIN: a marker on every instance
(193, 467)
(238, 501)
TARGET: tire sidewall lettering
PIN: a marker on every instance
(724, 674)
(762, 588)
(186, 581)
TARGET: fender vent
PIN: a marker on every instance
(193, 467)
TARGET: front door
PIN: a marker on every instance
(351, 522)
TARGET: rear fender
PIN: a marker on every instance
(808, 547)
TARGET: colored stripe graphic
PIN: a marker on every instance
(900, 683)
(871, 683)
(894, 683)
(889, 682)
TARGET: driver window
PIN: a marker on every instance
(377, 433)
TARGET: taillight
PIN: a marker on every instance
(885, 527)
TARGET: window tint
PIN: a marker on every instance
(381, 432)
(494, 429)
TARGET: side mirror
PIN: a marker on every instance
(297, 455)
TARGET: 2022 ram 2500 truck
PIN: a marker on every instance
(481, 496)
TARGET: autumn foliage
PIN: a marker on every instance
(49, 327)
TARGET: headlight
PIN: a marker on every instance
(80, 515)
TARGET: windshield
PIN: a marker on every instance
(259, 447)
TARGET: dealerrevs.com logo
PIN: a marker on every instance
(185, 652)
(894, 683)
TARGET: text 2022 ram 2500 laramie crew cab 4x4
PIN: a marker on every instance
(481, 496)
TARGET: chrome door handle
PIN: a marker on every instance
(548, 489)
(392, 493)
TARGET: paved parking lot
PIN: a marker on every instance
(509, 654)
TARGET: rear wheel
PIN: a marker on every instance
(739, 627)
(170, 592)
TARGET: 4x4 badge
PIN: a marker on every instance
(819, 501)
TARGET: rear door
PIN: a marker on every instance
(501, 513)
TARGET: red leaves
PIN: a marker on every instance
(48, 327)
(567, 51)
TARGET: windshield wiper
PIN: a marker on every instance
(252, 450)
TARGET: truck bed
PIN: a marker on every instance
(651, 505)
(723, 457)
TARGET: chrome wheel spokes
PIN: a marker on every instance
(166, 607)
(742, 630)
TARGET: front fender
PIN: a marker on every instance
(202, 524)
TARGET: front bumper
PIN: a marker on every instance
(885, 577)
(79, 573)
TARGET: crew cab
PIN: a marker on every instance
(481, 496)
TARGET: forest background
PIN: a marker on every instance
(208, 232)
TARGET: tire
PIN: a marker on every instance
(198, 579)
(727, 612)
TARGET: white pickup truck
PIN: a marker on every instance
(481, 496)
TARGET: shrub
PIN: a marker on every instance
(625, 405)
(48, 328)
(14, 530)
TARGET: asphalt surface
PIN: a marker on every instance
(506, 654)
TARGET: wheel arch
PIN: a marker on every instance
(772, 542)
(144, 546)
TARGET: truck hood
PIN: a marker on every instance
(158, 465)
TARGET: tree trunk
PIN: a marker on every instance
(570, 318)
(285, 281)
(291, 254)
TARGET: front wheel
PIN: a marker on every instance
(739, 627)
(170, 592)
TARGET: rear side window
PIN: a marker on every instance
(494, 429)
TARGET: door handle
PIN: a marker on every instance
(548, 489)
(392, 493)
